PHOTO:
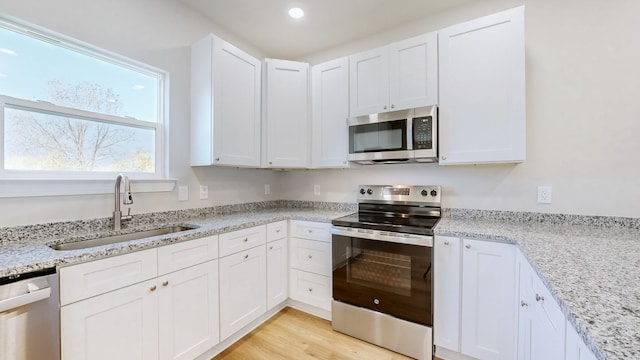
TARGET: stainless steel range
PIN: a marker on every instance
(382, 268)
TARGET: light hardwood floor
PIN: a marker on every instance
(293, 334)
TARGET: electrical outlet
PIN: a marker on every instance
(544, 194)
(267, 189)
(183, 193)
(204, 192)
(316, 189)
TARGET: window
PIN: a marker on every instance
(71, 111)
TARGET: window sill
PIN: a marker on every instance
(14, 188)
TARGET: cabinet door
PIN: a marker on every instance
(287, 116)
(482, 90)
(121, 324)
(330, 110)
(277, 273)
(188, 316)
(446, 302)
(369, 82)
(488, 300)
(243, 289)
(541, 328)
(576, 349)
(413, 72)
(225, 105)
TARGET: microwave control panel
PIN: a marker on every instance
(422, 133)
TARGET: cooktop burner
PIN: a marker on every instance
(395, 208)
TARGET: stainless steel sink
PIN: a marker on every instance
(85, 244)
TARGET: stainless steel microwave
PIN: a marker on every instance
(394, 137)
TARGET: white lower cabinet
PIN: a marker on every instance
(310, 258)
(122, 324)
(243, 288)
(575, 348)
(172, 315)
(277, 273)
(482, 290)
(541, 329)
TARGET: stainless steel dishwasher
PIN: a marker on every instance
(29, 316)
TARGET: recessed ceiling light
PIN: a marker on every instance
(296, 13)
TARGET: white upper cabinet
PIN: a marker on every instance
(286, 115)
(225, 105)
(482, 90)
(399, 76)
(330, 110)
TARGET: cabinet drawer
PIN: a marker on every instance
(82, 281)
(276, 230)
(188, 253)
(311, 256)
(239, 240)
(311, 230)
(311, 288)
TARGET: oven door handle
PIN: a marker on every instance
(400, 238)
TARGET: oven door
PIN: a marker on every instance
(389, 277)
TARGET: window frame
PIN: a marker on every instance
(161, 126)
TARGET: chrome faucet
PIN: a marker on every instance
(128, 200)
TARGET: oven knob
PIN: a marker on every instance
(434, 193)
(376, 301)
(362, 191)
(424, 193)
(369, 191)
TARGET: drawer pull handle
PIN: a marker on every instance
(246, 256)
(310, 289)
(165, 283)
(153, 288)
(523, 304)
(539, 298)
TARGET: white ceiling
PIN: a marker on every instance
(327, 23)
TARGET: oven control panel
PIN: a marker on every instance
(399, 193)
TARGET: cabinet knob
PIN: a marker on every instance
(246, 256)
(270, 163)
(271, 247)
(310, 289)
(310, 231)
(310, 256)
(153, 288)
(523, 304)
(277, 231)
(468, 246)
(443, 157)
(446, 242)
(246, 239)
(217, 159)
(344, 163)
(385, 107)
(165, 283)
(393, 106)
(539, 298)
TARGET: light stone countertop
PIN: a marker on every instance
(590, 264)
(592, 269)
(26, 254)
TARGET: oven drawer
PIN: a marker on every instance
(310, 288)
(312, 256)
(311, 230)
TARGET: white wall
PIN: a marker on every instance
(583, 83)
(583, 117)
(159, 33)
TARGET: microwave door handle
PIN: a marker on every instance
(409, 133)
